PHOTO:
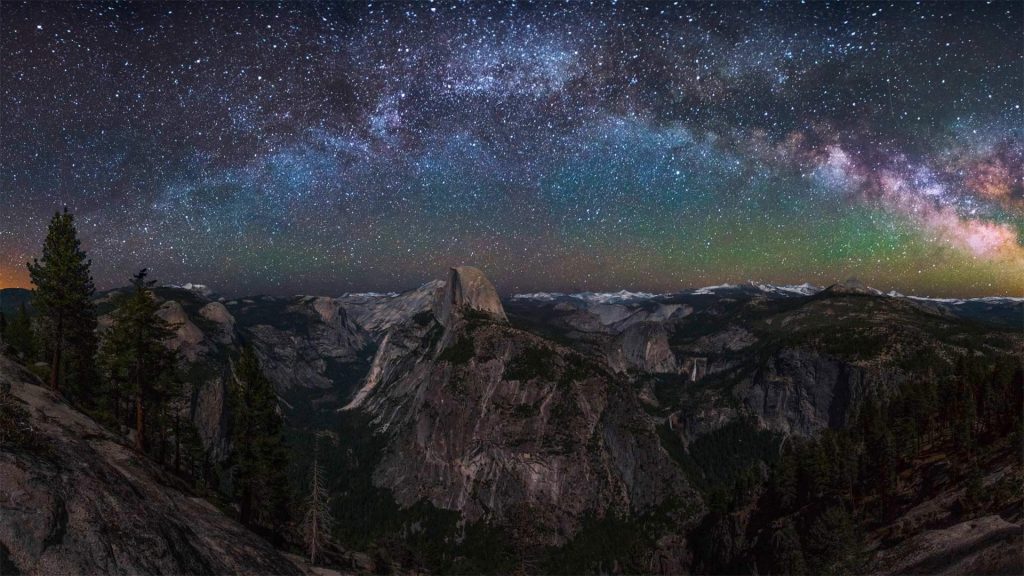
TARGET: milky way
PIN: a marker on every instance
(288, 148)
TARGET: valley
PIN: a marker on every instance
(460, 432)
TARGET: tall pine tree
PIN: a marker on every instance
(63, 299)
(135, 359)
(259, 454)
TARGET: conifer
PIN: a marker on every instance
(259, 456)
(63, 298)
(134, 355)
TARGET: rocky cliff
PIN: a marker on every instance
(75, 500)
(483, 418)
(467, 290)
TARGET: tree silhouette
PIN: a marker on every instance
(62, 297)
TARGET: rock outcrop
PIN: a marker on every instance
(224, 322)
(188, 338)
(645, 347)
(803, 392)
(75, 500)
(376, 312)
(987, 545)
(302, 342)
(483, 418)
(467, 289)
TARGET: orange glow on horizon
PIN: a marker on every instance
(14, 277)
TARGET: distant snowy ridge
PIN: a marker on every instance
(986, 299)
(713, 289)
(785, 290)
(201, 289)
(805, 289)
(592, 297)
(369, 295)
(540, 296)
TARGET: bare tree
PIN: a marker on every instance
(316, 526)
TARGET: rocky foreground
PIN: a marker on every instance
(75, 500)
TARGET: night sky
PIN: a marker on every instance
(298, 148)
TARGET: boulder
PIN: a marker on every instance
(188, 338)
(218, 314)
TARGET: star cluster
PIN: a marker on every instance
(301, 147)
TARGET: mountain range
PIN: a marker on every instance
(551, 432)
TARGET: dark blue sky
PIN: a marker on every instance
(285, 148)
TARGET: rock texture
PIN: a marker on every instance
(81, 502)
(481, 418)
(468, 289)
(803, 392)
(645, 347)
(188, 338)
(987, 545)
(302, 342)
(224, 322)
(376, 312)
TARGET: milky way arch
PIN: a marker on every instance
(325, 148)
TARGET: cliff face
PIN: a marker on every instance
(75, 500)
(467, 289)
(801, 392)
(483, 418)
(487, 420)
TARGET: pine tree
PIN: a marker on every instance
(834, 543)
(192, 456)
(259, 456)
(316, 526)
(19, 334)
(135, 358)
(786, 555)
(63, 299)
(784, 480)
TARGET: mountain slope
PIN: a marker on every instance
(568, 433)
(75, 500)
(494, 422)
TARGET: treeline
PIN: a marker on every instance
(127, 378)
(811, 514)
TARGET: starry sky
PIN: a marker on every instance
(323, 148)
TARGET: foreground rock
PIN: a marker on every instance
(75, 500)
(987, 545)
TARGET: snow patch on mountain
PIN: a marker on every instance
(613, 297)
(590, 297)
(201, 289)
(539, 296)
(805, 289)
(710, 290)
